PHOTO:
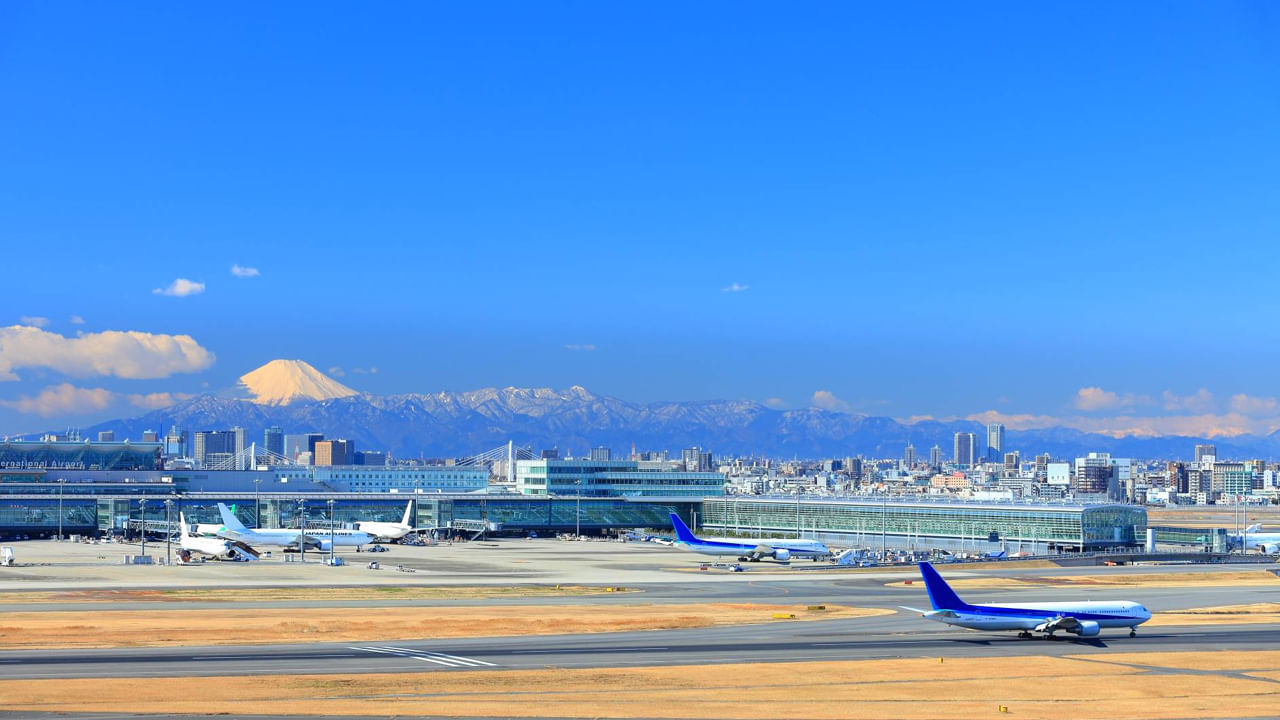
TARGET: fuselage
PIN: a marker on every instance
(384, 530)
(739, 549)
(283, 537)
(1030, 616)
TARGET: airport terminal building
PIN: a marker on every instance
(930, 523)
(96, 488)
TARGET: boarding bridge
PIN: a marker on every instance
(477, 528)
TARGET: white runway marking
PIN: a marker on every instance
(426, 656)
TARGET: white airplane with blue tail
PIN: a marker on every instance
(754, 551)
(1085, 618)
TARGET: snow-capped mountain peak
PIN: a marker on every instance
(283, 382)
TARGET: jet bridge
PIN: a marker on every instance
(477, 528)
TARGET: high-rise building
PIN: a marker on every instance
(551, 454)
(1176, 477)
(242, 442)
(376, 459)
(1231, 478)
(175, 443)
(965, 442)
(273, 440)
(909, 456)
(995, 441)
(1012, 462)
(209, 443)
(334, 452)
(1042, 466)
(150, 436)
(696, 460)
(1205, 451)
(106, 436)
(935, 457)
(601, 453)
(1101, 474)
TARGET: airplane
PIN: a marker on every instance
(233, 529)
(780, 550)
(214, 547)
(1255, 539)
(1085, 618)
(389, 530)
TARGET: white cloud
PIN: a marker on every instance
(336, 371)
(34, 321)
(126, 354)
(735, 288)
(362, 371)
(1015, 421)
(1090, 399)
(1201, 401)
(64, 399)
(776, 403)
(156, 400)
(181, 287)
(77, 320)
(244, 272)
(581, 348)
(1254, 405)
(827, 400)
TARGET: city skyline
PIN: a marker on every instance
(997, 216)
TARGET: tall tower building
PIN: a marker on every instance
(273, 440)
(935, 457)
(965, 442)
(1205, 451)
(909, 456)
(995, 441)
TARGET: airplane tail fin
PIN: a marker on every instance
(229, 519)
(683, 533)
(182, 524)
(408, 509)
(941, 596)
(1256, 527)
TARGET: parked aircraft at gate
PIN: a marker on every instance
(389, 530)
(215, 547)
(1255, 539)
(753, 550)
(1085, 618)
(233, 529)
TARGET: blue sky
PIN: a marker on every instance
(1064, 212)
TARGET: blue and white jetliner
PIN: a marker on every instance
(1085, 618)
(754, 551)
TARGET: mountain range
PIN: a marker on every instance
(295, 396)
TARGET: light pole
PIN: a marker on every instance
(302, 530)
(62, 483)
(577, 516)
(143, 505)
(330, 531)
(257, 502)
(168, 537)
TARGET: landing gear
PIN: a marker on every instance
(1133, 632)
(1024, 635)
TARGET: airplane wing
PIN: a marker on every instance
(1065, 624)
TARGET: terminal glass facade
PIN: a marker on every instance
(81, 455)
(612, 478)
(864, 521)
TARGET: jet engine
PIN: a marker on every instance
(781, 555)
(1088, 628)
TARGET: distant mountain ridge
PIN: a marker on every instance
(455, 424)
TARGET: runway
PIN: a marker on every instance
(897, 636)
